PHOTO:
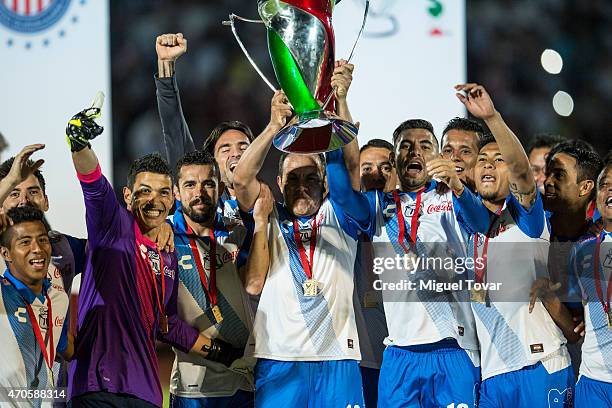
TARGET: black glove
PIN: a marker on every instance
(82, 127)
(222, 352)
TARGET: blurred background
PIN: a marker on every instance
(546, 63)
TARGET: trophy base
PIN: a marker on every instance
(319, 134)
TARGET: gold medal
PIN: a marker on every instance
(216, 311)
(163, 324)
(609, 318)
(370, 299)
(311, 287)
(478, 295)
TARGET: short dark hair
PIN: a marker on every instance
(486, 139)
(20, 215)
(211, 140)
(414, 124)
(197, 157)
(379, 143)
(588, 162)
(284, 156)
(151, 163)
(608, 158)
(548, 140)
(465, 124)
(5, 169)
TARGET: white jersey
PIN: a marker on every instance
(597, 346)
(420, 315)
(194, 377)
(23, 365)
(510, 337)
(290, 326)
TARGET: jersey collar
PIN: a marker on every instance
(26, 292)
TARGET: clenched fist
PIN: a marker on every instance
(170, 46)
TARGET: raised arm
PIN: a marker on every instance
(341, 81)
(246, 185)
(103, 213)
(258, 262)
(21, 169)
(350, 202)
(177, 138)
(479, 103)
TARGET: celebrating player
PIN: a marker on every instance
(33, 306)
(211, 296)
(591, 278)
(129, 291)
(305, 335)
(460, 141)
(376, 165)
(226, 143)
(523, 354)
(537, 152)
(431, 335)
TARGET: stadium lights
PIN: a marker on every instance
(551, 61)
(563, 103)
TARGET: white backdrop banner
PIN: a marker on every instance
(409, 58)
(55, 55)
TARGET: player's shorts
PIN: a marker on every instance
(428, 376)
(532, 386)
(592, 393)
(369, 378)
(303, 384)
(241, 399)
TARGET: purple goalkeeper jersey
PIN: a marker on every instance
(118, 315)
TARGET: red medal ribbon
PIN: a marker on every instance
(414, 222)
(481, 272)
(308, 266)
(606, 304)
(160, 301)
(50, 356)
(209, 290)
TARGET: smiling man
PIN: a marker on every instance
(128, 296)
(524, 358)
(211, 296)
(33, 306)
(460, 141)
(590, 274)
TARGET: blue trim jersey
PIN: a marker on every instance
(194, 377)
(23, 364)
(510, 337)
(597, 346)
(290, 326)
(424, 316)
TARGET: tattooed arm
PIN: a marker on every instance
(479, 103)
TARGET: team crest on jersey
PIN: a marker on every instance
(43, 318)
(155, 262)
(607, 263)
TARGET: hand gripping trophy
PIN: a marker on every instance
(301, 45)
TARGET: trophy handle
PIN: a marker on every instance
(363, 24)
(231, 23)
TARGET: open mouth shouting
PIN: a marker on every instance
(414, 168)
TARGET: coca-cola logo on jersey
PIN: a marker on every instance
(445, 206)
